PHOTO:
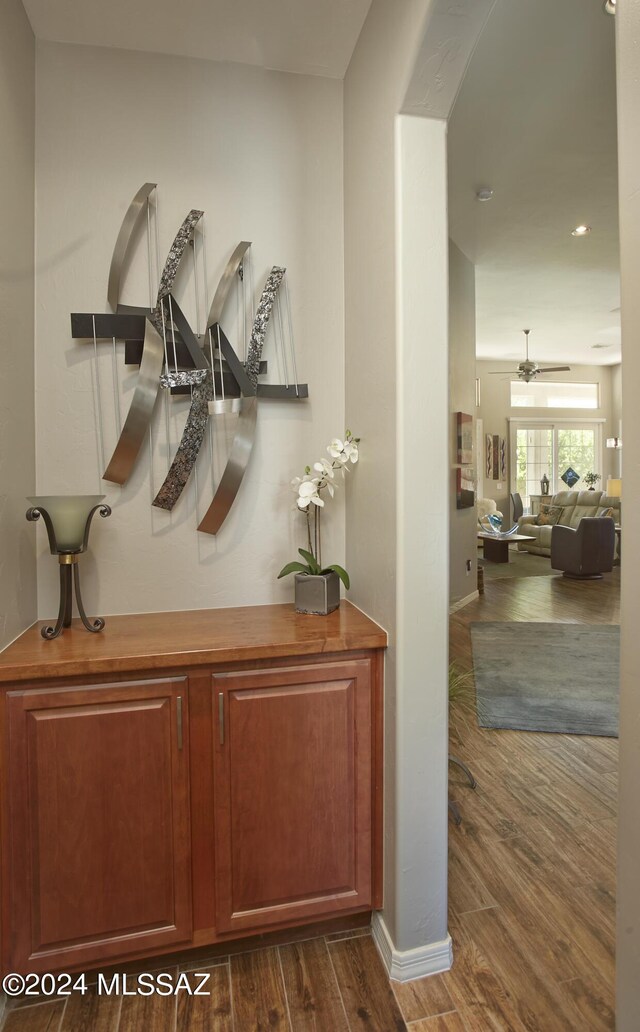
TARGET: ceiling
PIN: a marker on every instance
(535, 121)
(306, 36)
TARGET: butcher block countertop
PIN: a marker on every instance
(150, 641)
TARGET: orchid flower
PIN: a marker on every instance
(308, 490)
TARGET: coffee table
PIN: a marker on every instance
(496, 549)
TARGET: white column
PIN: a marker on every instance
(419, 940)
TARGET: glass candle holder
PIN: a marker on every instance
(68, 522)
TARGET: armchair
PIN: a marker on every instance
(585, 552)
(487, 507)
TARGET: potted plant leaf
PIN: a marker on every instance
(317, 587)
(591, 479)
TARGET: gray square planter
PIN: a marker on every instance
(319, 594)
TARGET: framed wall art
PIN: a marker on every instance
(464, 438)
(465, 487)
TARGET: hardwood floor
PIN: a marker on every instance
(531, 885)
(532, 866)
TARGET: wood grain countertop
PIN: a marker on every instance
(150, 641)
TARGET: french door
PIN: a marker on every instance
(540, 448)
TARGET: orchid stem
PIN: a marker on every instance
(315, 532)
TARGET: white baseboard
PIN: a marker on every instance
(406, 965)
(455, 606)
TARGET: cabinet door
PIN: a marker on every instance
(99, 851)
(292, 793)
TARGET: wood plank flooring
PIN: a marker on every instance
(532, 866)
(531, 886)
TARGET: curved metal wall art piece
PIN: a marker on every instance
(226, 280)
(242, 446)
(171, 356)
(263, 314)
(140, 411)
(235, 469)
(123, 242)
(196, 425)
(190, 443)
(187, 378)
(174, 257)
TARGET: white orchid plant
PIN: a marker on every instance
(309, 490)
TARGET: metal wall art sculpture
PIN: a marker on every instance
(174, 358)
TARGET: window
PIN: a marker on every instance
(539, 448)
(547, 394)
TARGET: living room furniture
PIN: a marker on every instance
(487, 507)
(496, 549)
(185, 779)
(518, 508)
(575, 506)
(586, 551)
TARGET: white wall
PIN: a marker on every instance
(616, 417)
(462, 398)
(17, 465)
(261, 153)
(628, 944)
(398, 569)
(495, 411)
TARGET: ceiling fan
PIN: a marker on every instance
(528, 370)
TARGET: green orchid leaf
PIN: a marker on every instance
(314, 566)
(342, 574)
(293, 568)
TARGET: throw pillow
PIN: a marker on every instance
(610, 513)
(549, 515)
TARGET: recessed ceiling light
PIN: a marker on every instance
(485, 193)
(609, 6)
(581, 231)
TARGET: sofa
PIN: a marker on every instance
(574, 505)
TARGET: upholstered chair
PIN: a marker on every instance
(518, 508)
(586, 551)
(487, 507)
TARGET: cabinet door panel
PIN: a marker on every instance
(293, 793)
(100, 823)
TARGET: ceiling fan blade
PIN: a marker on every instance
(555, 369)
(504, 372)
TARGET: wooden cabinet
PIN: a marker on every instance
(186, 779)
(293, 793)
(99, 819)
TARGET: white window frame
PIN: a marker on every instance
(560, 408)
(540, 423)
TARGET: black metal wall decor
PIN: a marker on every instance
(173, 357)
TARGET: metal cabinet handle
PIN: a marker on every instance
(179, 720)
(221, 716)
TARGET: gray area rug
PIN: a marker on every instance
(547, 677)
(521, 564)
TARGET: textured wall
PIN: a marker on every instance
(261, 153)
(17, 450)
(462, 398)
(628, 944)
